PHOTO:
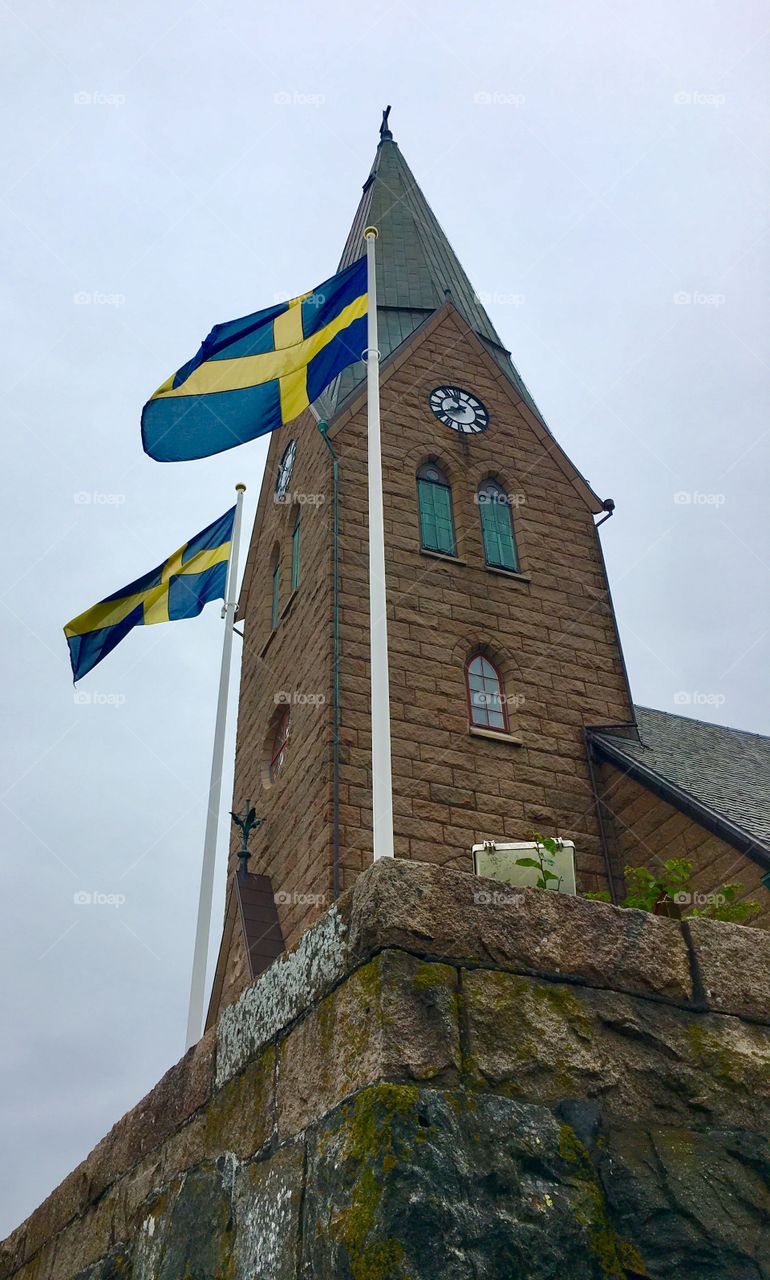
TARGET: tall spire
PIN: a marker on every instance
(417, 269)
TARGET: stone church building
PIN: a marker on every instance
(406, 1076)
(495, 579)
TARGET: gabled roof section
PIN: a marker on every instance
(251, 924)
(417, 268)
(723, 773)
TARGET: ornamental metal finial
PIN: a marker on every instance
(246, 825)
(384, 129)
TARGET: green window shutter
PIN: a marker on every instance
(295, 557)
(497, 532)
(436, 523)
(276, 595)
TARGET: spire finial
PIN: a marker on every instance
(384, 130)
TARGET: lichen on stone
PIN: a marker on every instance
(281, 994)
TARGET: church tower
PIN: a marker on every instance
(502, 639)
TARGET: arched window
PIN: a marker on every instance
(295, 551)
(497, 526)
(434, 497)
(278, 746)
(486, 700)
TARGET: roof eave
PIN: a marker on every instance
(682, 800)
(355, 398)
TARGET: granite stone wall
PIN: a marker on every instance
(448, 1078)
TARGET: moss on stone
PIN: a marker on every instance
(380, 1127)
(613, 1254)
(711, 1052)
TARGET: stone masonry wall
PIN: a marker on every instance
(291, 662)
(448, 1079)
(644, 830)
(549, 628)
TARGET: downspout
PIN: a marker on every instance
(323, 427)
(599, 804)
(609, 507)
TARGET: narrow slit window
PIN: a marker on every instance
(275, 612)
(278, 750)
(295, 542)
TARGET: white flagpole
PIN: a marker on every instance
(200, 954)
(382, 786)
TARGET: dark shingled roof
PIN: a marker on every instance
(726, 771)
(417, 269)
(418, 272)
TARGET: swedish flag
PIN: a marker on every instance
(252, 375)
(178, 588)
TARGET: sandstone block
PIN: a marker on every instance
(396, 1016)
(643, 1063)
(734, 965)
(450, 915)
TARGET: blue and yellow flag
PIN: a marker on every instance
(252, 375)
(178, 588)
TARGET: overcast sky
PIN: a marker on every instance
(601, 170)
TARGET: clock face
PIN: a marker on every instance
(284, 469)
(458, 409)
